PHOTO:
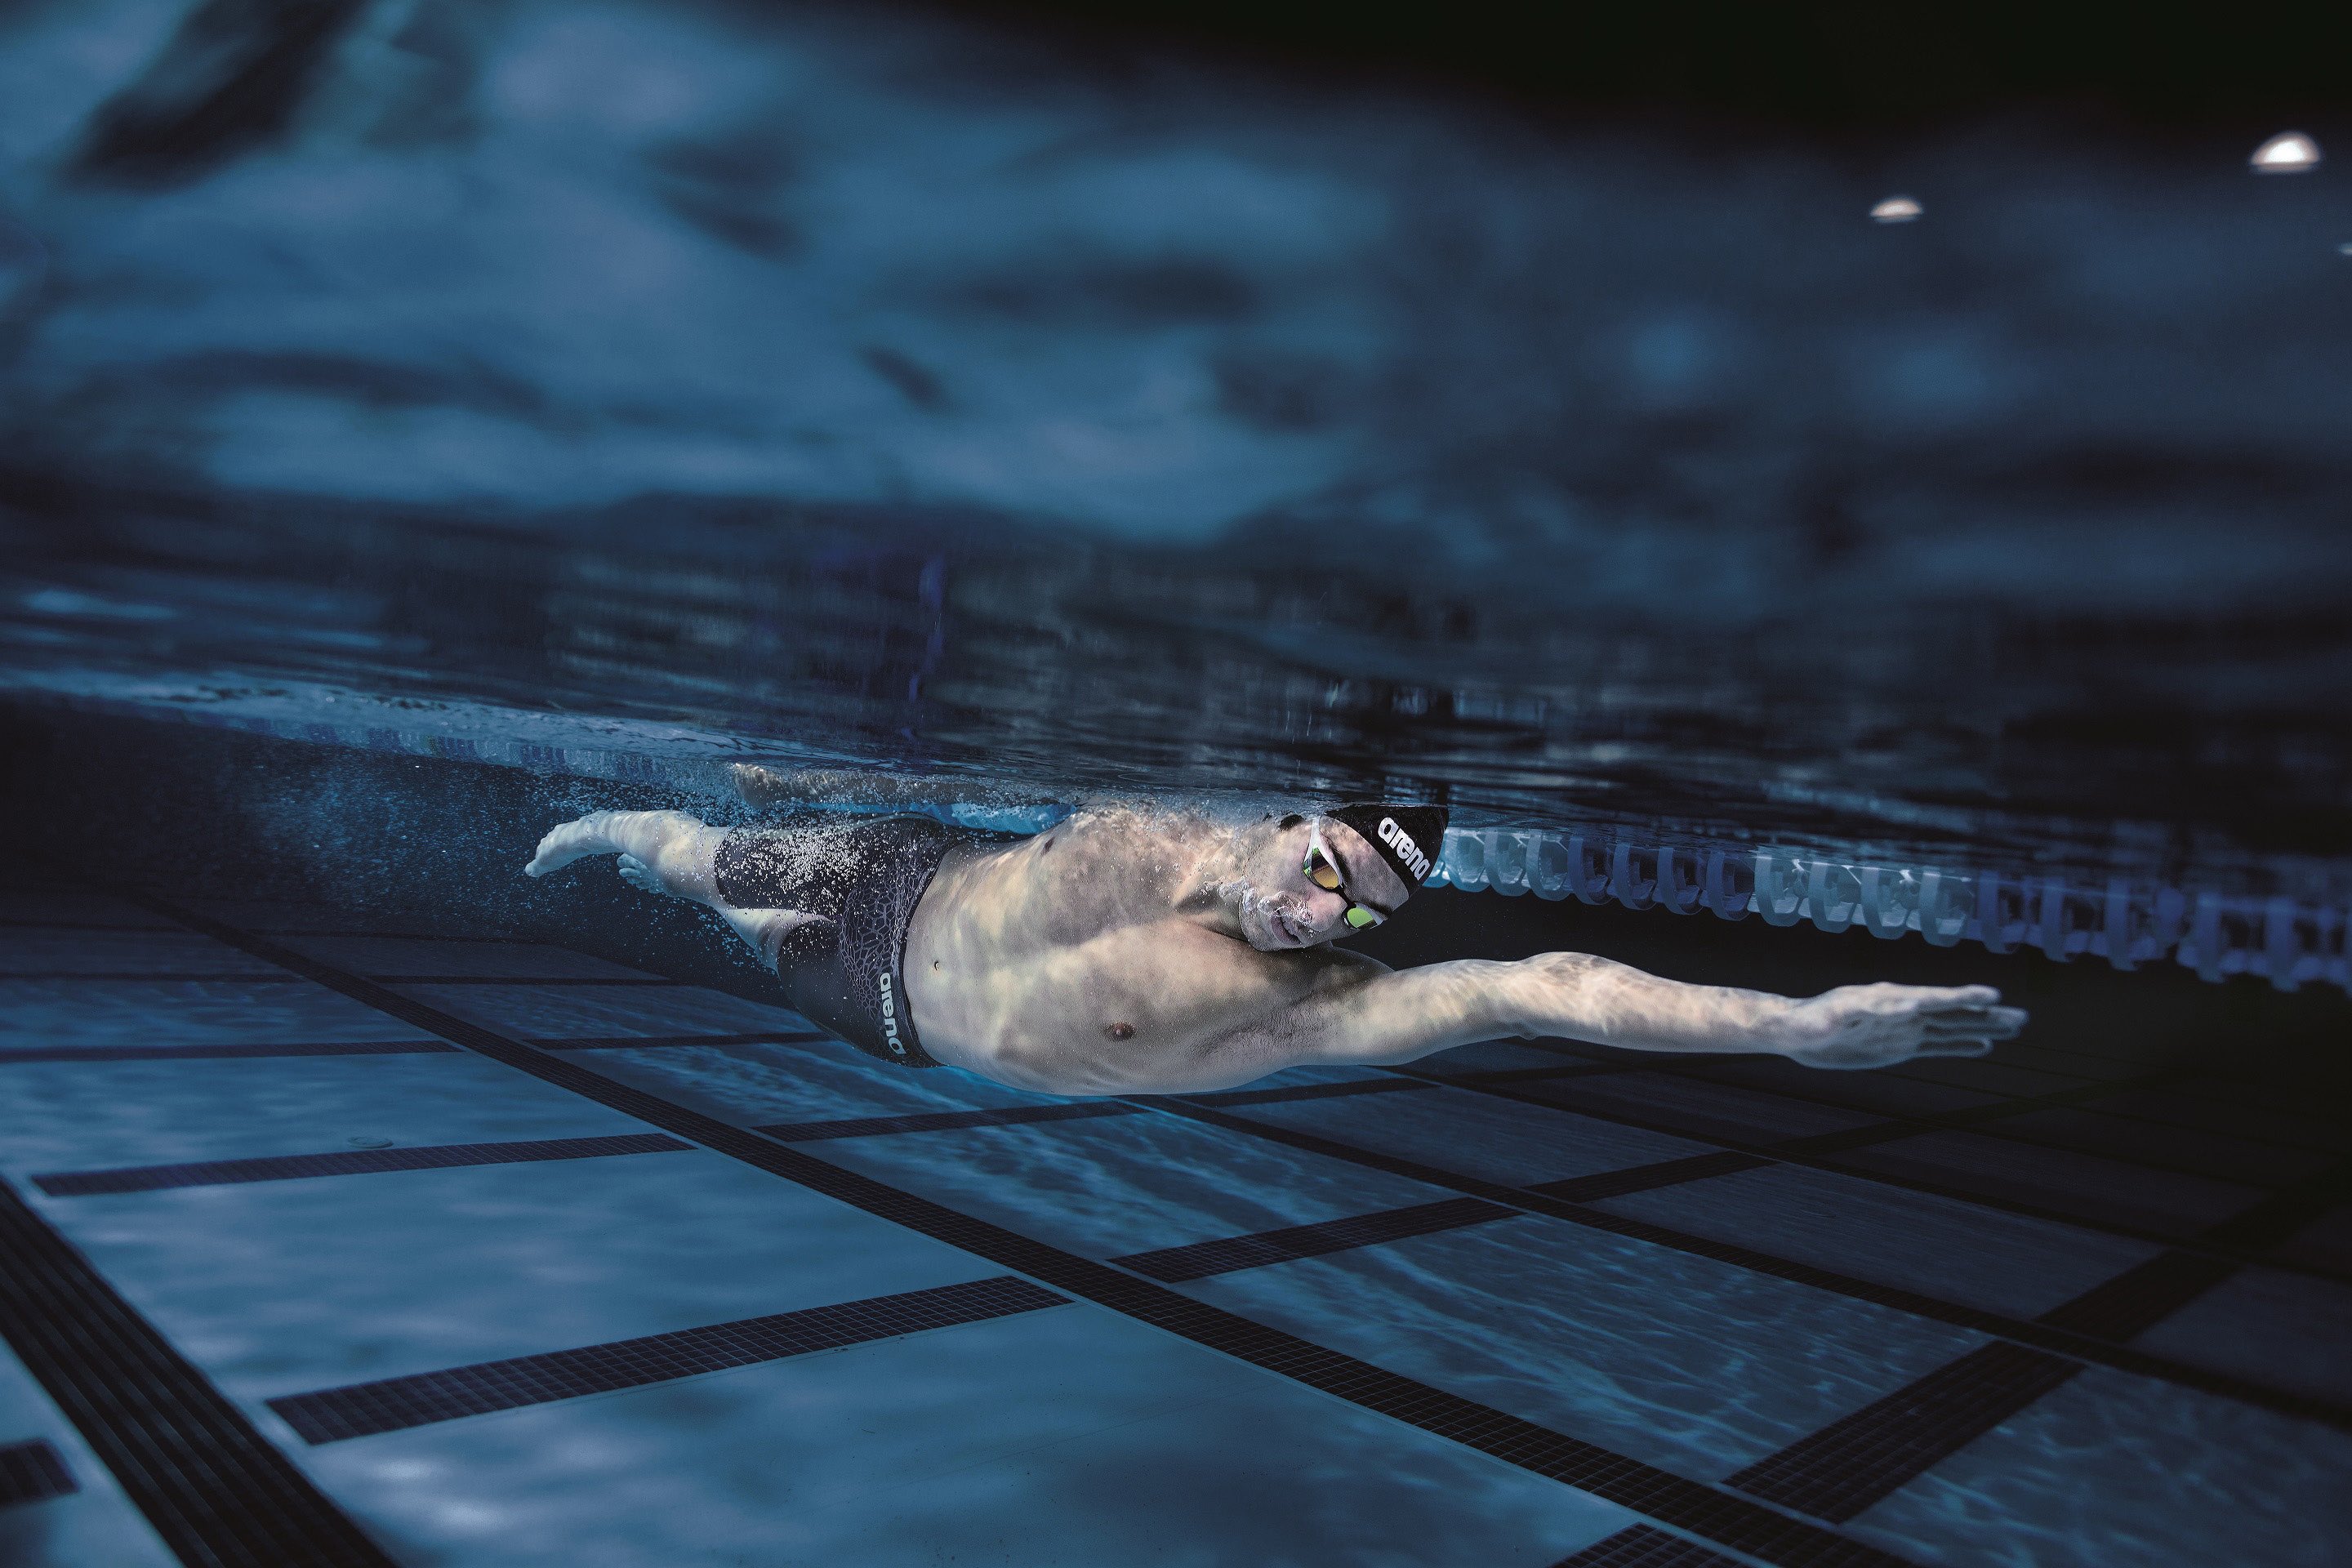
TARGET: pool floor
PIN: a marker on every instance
(326, 1242)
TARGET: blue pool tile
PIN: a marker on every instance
(1938, 1247)
(1477, 1135)
(562, 1011)
(2058, 1180)
(2204, 1103)
(2288, 1330)
(63, 1116)
(2114, 1469)
(36, 951)
(816, 1081)
(1882, 1093)
(1696, 1109)
(69, 1014)
(74, 907)
(2326, 1243)
(290, 1287)
(1066, 1437)
(410, 956)
(1998, 1074)
(2192, 1148)
(1686, 1364)
(94, 1526)
(1495, 1055)
(1129, 1184)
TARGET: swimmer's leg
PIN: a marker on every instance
(662, 851)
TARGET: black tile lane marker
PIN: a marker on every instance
(218, 1494)
(32, 1472)
(1227, 1254)
(1342, 1089)
(215, 1052)
(147, 976)
(1644, 1546)
(347, 1162)
(2053, 1335)
(1791, 1153)
(1961, 1118)
(1841, 1470)
(1646, 1178)
(1064, 1110)
(1849, 1463)
(941, 1120)
(1736, 1522)
(395, 1403)
(562, 980)
(658, 1042)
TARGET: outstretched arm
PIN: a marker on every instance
(1399, 1015)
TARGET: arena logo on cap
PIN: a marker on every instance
(1398, 840)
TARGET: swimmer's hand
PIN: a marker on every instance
(1879, 1026)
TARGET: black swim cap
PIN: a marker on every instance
(1408, 837)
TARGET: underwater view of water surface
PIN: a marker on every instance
(801, 783)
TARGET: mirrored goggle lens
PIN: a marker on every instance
(1361, 918)
(1321, 872)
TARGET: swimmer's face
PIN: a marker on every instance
(1281, 909)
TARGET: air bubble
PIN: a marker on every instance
(2288, 152)
(1896, 209)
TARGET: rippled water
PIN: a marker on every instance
(841, 386)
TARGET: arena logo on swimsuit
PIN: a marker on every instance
(1398, 840)
(890, 1017)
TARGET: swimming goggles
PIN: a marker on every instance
(1324, 872)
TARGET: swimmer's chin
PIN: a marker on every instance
(1270, 930)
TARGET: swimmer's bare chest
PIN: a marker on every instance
(1061, 965)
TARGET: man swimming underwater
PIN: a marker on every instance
(1127, 951)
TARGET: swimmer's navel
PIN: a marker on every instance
(1121, 1031)
(935, 963)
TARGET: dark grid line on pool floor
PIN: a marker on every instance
(33, 1472)
(662, 1042)
(2051, 1336)
(1785, 1153)
(1841, 1469)
(552, 980)
(1340, 1090)
(1959, 1119)
(349, 1163)
(395, 1404)
(1645, 1546)
(1227, 1254)
(214, 1488)
(1734, 1521)
(218, 1053)
(143, 976)
(940, 1121)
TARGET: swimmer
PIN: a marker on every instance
(1127, 951)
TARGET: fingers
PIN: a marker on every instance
(1956, 1047)
(1987, 1022)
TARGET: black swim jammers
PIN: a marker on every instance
(865, 876)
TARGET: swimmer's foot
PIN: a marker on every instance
(573, 841)
(664, 851)
(641, 877)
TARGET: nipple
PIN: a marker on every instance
(1121, 1031)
